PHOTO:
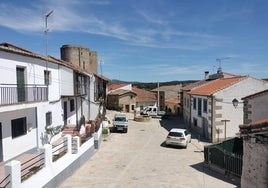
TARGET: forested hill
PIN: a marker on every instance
(152, 85)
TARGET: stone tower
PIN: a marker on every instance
(81, 56)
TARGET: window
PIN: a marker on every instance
(18, 127)
(132, 107)
(47, 77)
(48, 118)
(71, 105)
(205, 105)
(199, 106)
(195, 122)
(84, 65)
(195, 103)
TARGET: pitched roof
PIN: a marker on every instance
(216, 85)
(144, 95)
(193, 85)
(255, 127)
(115, 86)
(11, 48)
(121, 92)
(209, 79)
(256, 94)
(173, 100)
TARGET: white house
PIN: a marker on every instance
(212, 112)
(185, 98)
(38, 93)
(30, 99)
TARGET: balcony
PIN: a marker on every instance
(16, 94)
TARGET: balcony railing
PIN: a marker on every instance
(18, 93)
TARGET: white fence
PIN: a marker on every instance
(52, 172)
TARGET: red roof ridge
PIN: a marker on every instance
(214, 86)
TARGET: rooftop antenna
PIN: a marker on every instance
(220, 60)
(46, 30)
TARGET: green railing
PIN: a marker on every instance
(227, 156)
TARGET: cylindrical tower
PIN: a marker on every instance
(80, 56)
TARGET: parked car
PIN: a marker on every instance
(178, 137)
(153, 111)
(120, 122)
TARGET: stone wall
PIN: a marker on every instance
(80, 56)
(255, 164)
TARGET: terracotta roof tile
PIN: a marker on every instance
(255, 127)
(115, 86)
(121, 92)
(144, 95)
(193, 85)
(215, 85)
(173, 100)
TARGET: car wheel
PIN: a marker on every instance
(125, 131)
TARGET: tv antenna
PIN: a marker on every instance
(220, 60)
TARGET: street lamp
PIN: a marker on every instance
(235, 102)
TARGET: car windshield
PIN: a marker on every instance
(120, 118)
(176, 134)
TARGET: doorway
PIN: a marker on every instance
(65, 112)
(20, 84)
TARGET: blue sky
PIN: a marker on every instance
(147, 40)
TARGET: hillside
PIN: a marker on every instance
(152, 85)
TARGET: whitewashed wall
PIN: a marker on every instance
(15, 146)
(34, 74)
(66, 81)
(239, 90)
(194, 113)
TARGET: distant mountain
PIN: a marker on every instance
(152, 85)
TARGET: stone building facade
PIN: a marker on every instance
(81, 56)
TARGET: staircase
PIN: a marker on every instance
(69, 129)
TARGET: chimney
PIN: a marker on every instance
(206, 74)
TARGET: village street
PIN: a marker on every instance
(140, 158)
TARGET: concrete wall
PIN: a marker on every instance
(255, 165)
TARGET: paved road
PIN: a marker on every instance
(140, 159)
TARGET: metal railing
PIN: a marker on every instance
(17, 93)
(229, 162)
(5, 182)
(32, 166)
(59, 150)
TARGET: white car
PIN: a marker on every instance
(178, 137)
(120, 122)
